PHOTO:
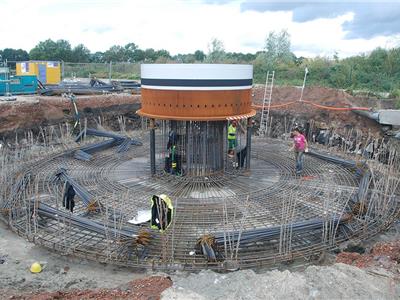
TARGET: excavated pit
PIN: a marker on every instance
(280, 216)
(260, 217)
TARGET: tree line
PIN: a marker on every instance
(378, 70)
(63, 51)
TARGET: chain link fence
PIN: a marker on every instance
(113, 70)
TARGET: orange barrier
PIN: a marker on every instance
(258, 106)
(277, 106)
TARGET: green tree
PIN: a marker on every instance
(51, 50)
(97, 57)
(185, 58)
(150, 55)
(238, 57)
(216, 51)
(115, 53)
(134, 54)
(80, 54)
(260, 67)
(391, 62)
(375, 71)
(277, 47)
(138, 55)
(129, 54)
(199, 55)
(190, 58)
(13, 54)
(319, 70)
(338, 76)
(162, 53)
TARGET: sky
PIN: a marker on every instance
(317, 28)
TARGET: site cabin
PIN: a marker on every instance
(48, 72)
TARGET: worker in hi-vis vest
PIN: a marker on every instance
(232, 137)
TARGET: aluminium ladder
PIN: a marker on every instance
(269, 84)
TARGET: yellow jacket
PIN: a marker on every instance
(231, 132)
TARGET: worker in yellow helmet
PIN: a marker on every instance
(232, 137)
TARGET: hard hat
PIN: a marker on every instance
(36, 268)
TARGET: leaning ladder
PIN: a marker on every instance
(269, 84)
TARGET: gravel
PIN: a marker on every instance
(339, 281)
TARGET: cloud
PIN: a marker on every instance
(219, 2)
(98, 29)
(373, 20)
(253, 44)
(180, 26)
(370, 19)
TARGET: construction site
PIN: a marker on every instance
(159, 184)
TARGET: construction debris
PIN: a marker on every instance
(95, 87)
(383, 255)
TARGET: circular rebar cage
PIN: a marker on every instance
(253, 219)
(197, 148)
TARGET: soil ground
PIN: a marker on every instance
(19, 254)
(64, 277)
(31, 112)
(328, 97)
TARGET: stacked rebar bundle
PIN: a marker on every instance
(268, 233)
(49, 212)
(123, 142)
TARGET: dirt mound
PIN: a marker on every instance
(320, 96)
(339, 281)
(35, 111)
(32, 112)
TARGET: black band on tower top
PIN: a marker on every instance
(197, 82)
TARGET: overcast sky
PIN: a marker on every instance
(183, 26)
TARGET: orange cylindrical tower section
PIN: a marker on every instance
(198, 92)
(194, 105)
